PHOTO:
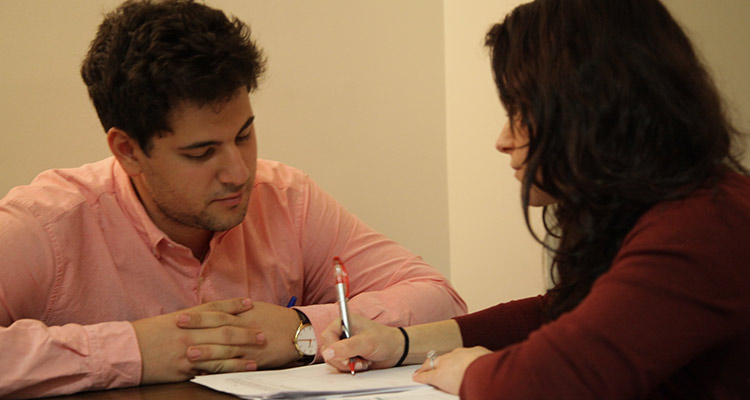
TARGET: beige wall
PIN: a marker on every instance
(493, 258)
(388, 104)
(721, 31)
(45, 117)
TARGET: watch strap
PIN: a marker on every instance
(302, 317)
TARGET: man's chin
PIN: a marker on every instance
(227, 223)
(216, 218)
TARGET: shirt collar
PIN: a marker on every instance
(134, 210)
(136, 213)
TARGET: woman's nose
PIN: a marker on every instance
(504, 143)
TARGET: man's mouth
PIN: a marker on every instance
(230, 200)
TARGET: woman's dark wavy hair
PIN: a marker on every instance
(621, 115)
(149, 55)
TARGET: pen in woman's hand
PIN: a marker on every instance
(342, 292)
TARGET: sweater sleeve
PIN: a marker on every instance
(502, 325)
(676, 294)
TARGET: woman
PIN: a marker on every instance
(617, 129)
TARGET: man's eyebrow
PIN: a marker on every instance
(198, 145)
(246, 124)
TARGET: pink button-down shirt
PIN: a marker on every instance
(79, 257)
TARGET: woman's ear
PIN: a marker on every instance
(126, 150)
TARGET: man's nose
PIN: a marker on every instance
(233, 171)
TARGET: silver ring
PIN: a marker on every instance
(432, 355)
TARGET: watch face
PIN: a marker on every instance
(306, 341)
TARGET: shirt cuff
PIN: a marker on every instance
(115, 355)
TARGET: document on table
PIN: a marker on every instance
(426, 393)
(321, 381)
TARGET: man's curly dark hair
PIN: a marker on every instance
(150, 55)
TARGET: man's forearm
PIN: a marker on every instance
(43, 361)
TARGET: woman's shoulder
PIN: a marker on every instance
(723, 204)
(712, 223)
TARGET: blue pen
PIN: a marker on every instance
(292, 302)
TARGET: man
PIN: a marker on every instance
(183, 252)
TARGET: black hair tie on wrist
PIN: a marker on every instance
(406, 347)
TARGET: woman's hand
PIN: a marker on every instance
(372, 344)
(449, 369)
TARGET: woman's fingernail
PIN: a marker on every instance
(247, 302)
(260, 338)
(328, 354)
(183, 319)
(251, 366)
(193, 353)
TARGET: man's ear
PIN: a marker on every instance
(126, 150)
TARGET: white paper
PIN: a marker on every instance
(321, 381)
(425, 393)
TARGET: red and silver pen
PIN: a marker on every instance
(342, 292)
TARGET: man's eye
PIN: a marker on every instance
(243, 138)
(198, 157)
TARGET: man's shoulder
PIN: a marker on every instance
(278, 175)
(55, 191)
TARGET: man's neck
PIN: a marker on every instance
(196, 239)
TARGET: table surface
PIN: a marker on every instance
(180, 390)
